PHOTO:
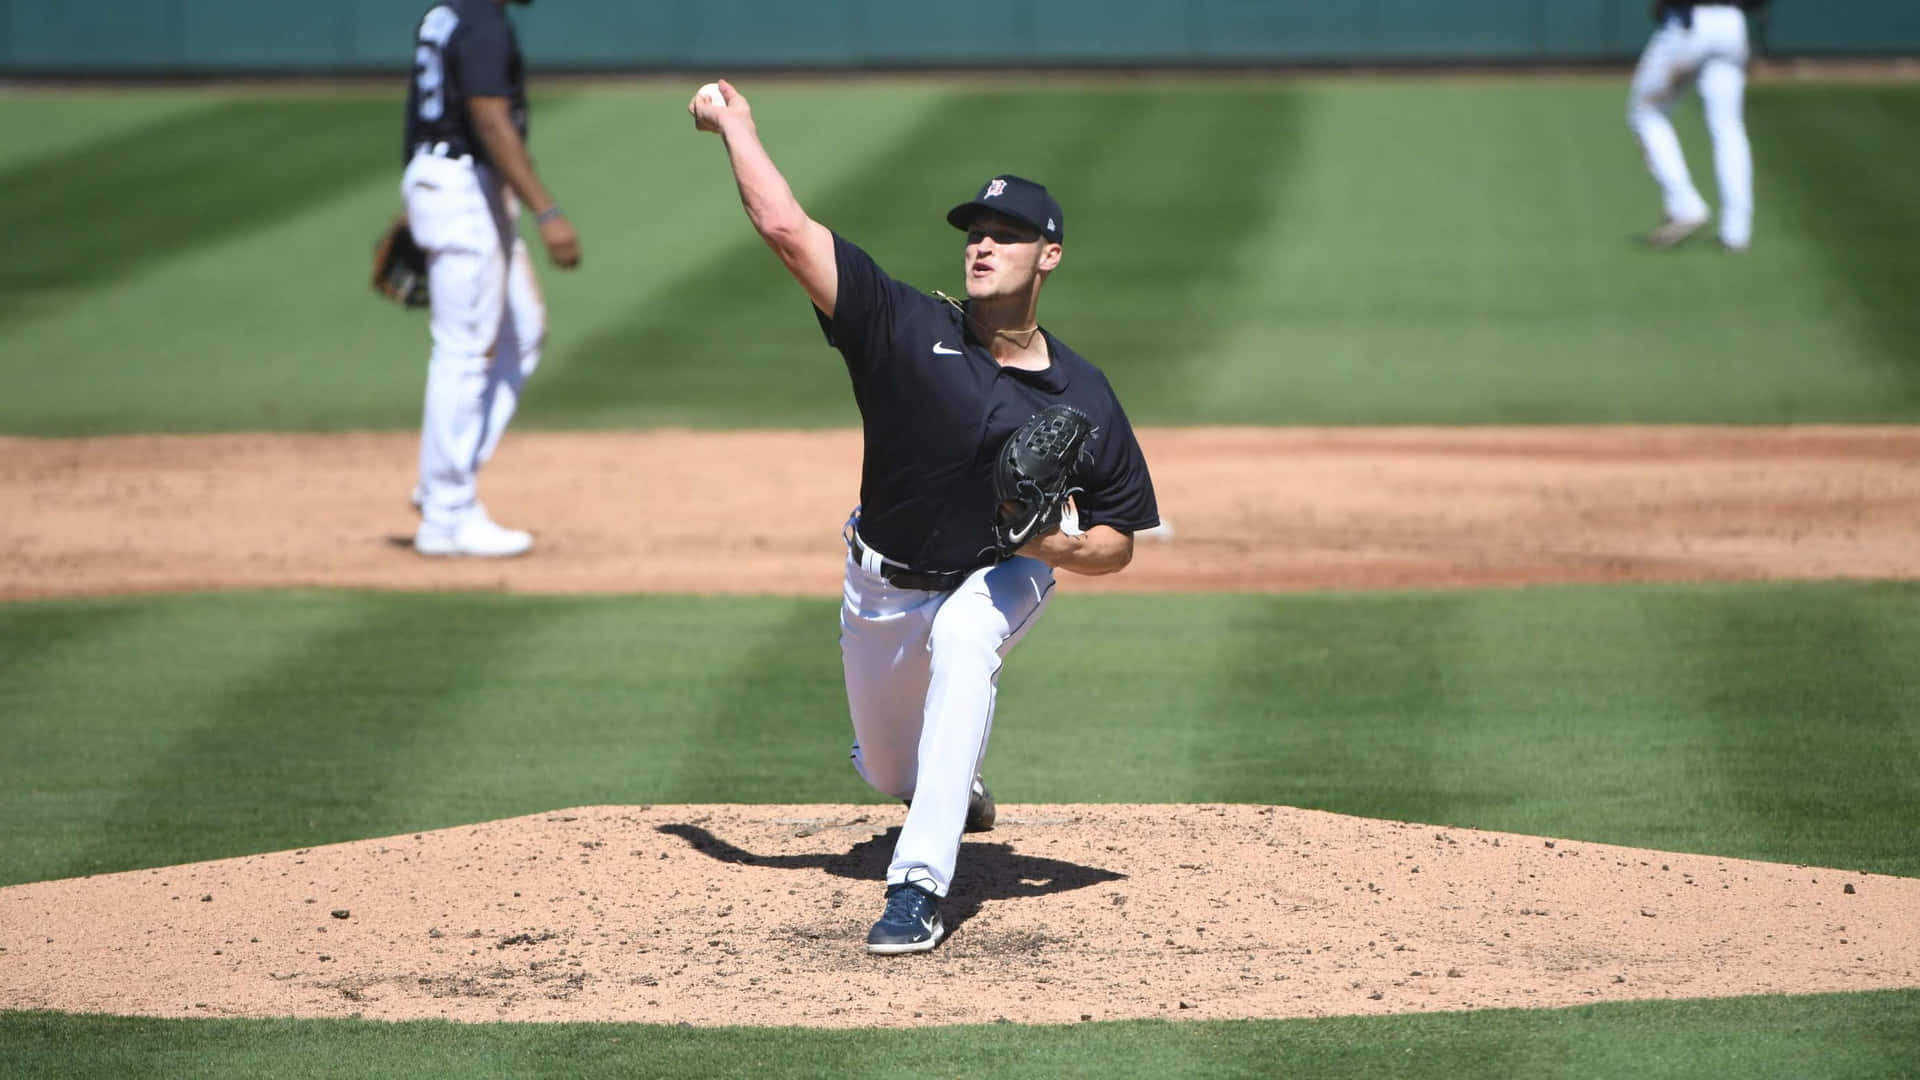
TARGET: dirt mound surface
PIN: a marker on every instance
(756, 915)
(760, 512)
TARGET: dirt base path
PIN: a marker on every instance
(755, 915)
(760, 512)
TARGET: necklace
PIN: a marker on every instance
(1023, 345)
(980, 327)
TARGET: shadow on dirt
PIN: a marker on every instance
(987, 871)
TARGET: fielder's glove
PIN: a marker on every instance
(1034, 474)
(399, 266)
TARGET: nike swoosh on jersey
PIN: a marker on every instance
(940, 349)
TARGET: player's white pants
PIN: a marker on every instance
(1712, 55)
(922, 671)
(488, 324)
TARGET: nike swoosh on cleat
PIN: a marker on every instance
(940, 349)
(927, 924)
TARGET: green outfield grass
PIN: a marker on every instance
(1859, 1036)
(1239, 252)
(1769, 722)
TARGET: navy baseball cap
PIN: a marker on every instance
(1017, 198)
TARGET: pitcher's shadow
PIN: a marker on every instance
(987, 870)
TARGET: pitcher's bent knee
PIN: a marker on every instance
(893, 781)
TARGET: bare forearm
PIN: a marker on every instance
(770, 204)
(510, 159)
(804, 246)
(1100, 550)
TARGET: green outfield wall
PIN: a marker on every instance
(254, 36)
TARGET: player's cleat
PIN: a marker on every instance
(980, 808)
(1674, 231)
(910, 924)
(475, 536)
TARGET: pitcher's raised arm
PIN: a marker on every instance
(804, 245)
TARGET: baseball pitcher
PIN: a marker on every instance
(979, 425)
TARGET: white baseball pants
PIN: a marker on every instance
(488, 323)
(922, 672)
(1711, 54)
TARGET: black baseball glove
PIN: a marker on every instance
(399, 266)
(1035, 473)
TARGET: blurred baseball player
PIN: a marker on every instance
(931, 607)
(467, 175)
(1702, 44)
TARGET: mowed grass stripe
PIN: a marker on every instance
(332, 713)
(1870, 1035)
(42, 124)
(775, 728)
(1835, 165)
(227, 724)
(1672, 717)
(1321, 252)
(81, 725)
(1310, 719)
(1797, 748)
(244, 303)
(134, 198)
(1471, 253)
(205, 726)
(1567, 703)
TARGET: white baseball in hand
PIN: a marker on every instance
(710, 94)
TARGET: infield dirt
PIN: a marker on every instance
(760, 512)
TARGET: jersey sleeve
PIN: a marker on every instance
(482, 55)
(1119, 490)
(863, 310)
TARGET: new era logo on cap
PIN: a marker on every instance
(1018, 198)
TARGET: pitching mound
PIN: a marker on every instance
(717, 915)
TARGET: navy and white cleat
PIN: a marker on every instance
(910, 924)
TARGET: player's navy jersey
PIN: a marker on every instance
(463, 49)
(936, 407)
(1683, 9)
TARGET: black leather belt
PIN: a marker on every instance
(901, 576)
(441, 149)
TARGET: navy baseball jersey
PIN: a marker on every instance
(464, 49)
(1683, 9)
(936, 407)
